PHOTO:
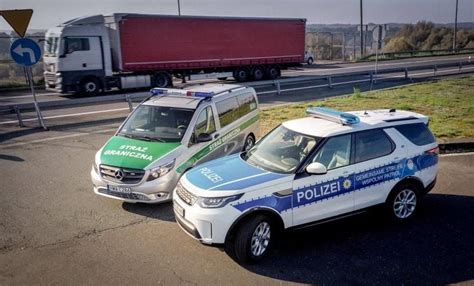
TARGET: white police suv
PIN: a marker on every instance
(308, 170)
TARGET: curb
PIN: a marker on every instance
(456, 147)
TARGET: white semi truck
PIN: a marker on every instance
(98, 53)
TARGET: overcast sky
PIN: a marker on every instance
(49, 13)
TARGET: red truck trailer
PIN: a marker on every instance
(136, 50)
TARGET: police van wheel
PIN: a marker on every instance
(254, 239)
(249, 142)
(403, 202)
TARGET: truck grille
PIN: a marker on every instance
(121, 175)
(50, 77)
(184, 195)
(130, 196)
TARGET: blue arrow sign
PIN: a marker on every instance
(25, 52)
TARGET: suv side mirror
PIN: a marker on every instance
(203, 137)
(316, 168)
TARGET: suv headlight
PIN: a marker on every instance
(160, 171)
(217, 202)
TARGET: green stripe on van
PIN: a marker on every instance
(215, 144)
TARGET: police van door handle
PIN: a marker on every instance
(217, 135)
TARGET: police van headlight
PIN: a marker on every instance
(160, 171)
(217, 202)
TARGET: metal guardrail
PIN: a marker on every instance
(420, 53)
(372, 77)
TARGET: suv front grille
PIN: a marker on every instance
(184, 195)
(121, 175)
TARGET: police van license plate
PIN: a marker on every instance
(178, 209)
(119, 189)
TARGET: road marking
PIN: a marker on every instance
(68, 115)
(379, 65)
(55, 138)
(457, 154)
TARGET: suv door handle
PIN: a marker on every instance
(84, 65)
(217, 135)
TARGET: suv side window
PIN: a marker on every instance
(227, 110)
(335, 153)
(417, 133)
(371, 144)
(205, 122)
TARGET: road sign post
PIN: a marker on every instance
(26, 52)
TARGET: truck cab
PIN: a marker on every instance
(77, 56)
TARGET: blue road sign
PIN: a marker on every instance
(25, 52)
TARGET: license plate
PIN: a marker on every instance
(119, 189)
(178, 209)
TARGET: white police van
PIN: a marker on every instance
(306, 171)
(171, 132)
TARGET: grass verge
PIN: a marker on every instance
(448, 102)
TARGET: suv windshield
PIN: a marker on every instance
(157, 123)
(281, 151)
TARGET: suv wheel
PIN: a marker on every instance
(253, 239)
(403, 202)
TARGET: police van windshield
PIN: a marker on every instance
(157, 123)
(281, 151)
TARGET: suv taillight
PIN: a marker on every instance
(434, 151)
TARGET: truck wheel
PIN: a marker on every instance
(273, 72)
(254, 239)
(310, 61)
(89, 86)
(402, 203)
(162, 79)
(241, 74)
(258, 73)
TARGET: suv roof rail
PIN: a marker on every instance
(333, 115)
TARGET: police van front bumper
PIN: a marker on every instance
(151, 192)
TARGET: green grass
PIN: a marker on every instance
(449, 103)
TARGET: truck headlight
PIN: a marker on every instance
(217, 202)
(160, 171)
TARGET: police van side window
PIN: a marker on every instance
(417, 133)
(205, 122)
(372, 144)
(227, 110)
(335, 153)
(247, 104)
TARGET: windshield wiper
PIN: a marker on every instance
(149, 138)
(142, 137)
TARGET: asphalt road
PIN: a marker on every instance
(54, 230)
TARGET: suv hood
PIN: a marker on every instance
(132, 153)
(229, 174)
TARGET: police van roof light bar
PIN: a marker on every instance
(171, 91)
(333, 115)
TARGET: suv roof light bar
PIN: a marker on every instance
(333, 115)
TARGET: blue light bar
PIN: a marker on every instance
(202, 94)
(333, 115)
(158, 91)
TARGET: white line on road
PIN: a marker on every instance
(68, 115)
(372, 65)
(55, 138)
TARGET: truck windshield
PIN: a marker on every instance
(51, 46)
(157, 123)
(281, 151)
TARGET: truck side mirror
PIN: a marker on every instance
(316, 168)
